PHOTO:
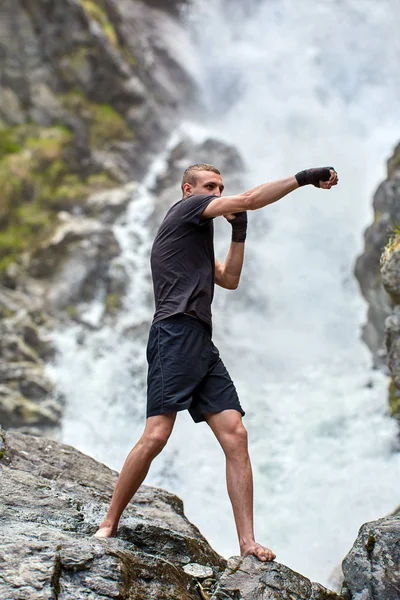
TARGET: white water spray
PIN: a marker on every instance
(291, 85)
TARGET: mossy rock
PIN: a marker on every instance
(112, 303)
(394, 400)
(97, 11)
(393, 164)
(105, 125)
(36, 181)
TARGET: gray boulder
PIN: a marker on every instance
(249, 579)
(386, 207)
(53, 498)
(372, 567)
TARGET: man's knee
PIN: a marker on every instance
(235, 438)
(156, 436)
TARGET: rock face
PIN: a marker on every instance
(53, 497)
(372, 567)
(89, 93)
(386, 206)
(250, 579)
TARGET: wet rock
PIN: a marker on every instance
(386, 207)
(108, 205)
(27, 397)
(53, 498)
(249, 579)
(372, 567)
(198, 571)
(74, 262)
(393, 344)
(19, 412)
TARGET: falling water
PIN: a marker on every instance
(291, 85)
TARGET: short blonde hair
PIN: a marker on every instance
(189, 175)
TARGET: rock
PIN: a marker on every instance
(372, 567)
(198, 571)
(386, 207)
(390, 271)
(10, 107)
(74, 262)
(108, 205)
(18, 411)
(249, 579)
(53, 498)
(393, 344)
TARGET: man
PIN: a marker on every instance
(185, 370)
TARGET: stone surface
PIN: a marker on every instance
(74, 261)
(372, 567)
(53, 498)
(386, 205)
(249, 579)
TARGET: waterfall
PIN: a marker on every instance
(291, 85)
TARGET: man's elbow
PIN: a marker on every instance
(232, 285)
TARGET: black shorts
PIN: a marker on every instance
(186, 371)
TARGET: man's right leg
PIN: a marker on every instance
(155, 436)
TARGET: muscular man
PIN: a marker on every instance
(185, 369)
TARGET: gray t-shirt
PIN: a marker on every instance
(182, 261)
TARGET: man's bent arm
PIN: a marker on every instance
(227, 275)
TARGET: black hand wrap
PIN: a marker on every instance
(239, 227)
(313, 176)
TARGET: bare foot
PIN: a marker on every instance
(261, 552)
(105, 531)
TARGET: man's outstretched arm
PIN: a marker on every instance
(268, 193)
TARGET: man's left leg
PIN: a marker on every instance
(231, 434)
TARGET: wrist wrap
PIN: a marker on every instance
(239, 227)
(313, 176)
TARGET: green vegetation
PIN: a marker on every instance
(392, 244)
(36, 178)
(97, 12)
(370, 545)
(112, 303)
(394, 400)
(104, 123)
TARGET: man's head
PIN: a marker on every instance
(202, 179)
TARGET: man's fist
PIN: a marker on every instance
(324, 177)
(239, 226)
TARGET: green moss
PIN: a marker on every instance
(8, 143)
(36, 180)
(370, 544)
(98, 13)
(71, 311)
(2, 444)
(106, 126)
(100, 181)
(394, 400)
(112, 303)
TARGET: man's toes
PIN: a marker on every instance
(264, 554)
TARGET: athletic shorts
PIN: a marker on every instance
(185, 370)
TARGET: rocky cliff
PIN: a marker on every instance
(53, 498)
(386, 208)
(378, 272)
(89, 93)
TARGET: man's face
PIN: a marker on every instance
(207, 182)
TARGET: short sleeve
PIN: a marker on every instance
(192, 207)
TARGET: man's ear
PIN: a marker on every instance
(187, 189)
